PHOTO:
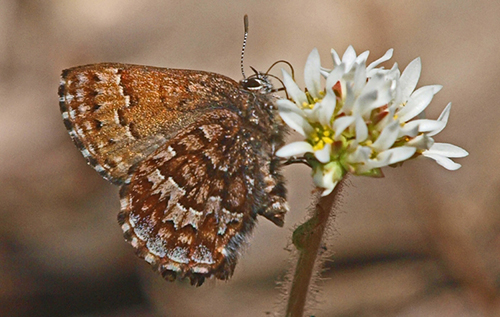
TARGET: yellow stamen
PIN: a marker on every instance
(327, 140)
(319, 145)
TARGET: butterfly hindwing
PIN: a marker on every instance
(188, 207)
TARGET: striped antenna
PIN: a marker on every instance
(245, 22)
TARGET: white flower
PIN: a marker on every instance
(364, 119)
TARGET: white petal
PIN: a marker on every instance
(426, 125)
(324, 71)
(286, 105)
(340, 124)
(409, 78)
(323, 155)
(335, 57)
(324, 179)
(398, 154)
(330, 189)
(334, 76)
(361, 154)
(349, 57)
(295, 148)
(417, 103)
(361, 59)
(327, 108)
(359, 79)
(388, 119)
(364, 102)
(387, 137)
(449, 150)
(312, 75)
(296, 122)
(387, 56)
(380, 161)
(410, 129)
(436, 88)
(349, 101)
(443, 117)
(442, 160)
(361, 129)
(293, 90)
(375, 94)
(313, 115)
(421, 142)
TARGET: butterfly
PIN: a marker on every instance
(192, 152)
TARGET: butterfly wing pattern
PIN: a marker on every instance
(193, 153)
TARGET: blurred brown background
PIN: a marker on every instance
(421, 242)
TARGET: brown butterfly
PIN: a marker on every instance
(193, 153)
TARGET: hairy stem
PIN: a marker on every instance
(307, 239)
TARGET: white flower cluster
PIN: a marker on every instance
(365, 118)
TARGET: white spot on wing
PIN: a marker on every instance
(213, 205)
(211, 131)
(124, 203)
(226, 217)
(150, 259)
(198, 269)
(125, 227)
(223, 168)
(193, 218)
(157, 247)
(175, 214)
(116, 118)
(171, 187)
(134, 242)
(156, 178)
(85, 153)
(82, 78)
(79, 94)
(203, 255)
(166, 155)
(185, 238)
(172, 267)
(99, 168)
(178, 254)
(82, 108)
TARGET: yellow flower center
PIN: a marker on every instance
(321, 136)
(310, 105)
(311, 101)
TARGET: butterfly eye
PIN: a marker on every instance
(258, 84)
(253, 83)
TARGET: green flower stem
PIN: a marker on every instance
(307, 239)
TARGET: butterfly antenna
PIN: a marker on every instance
(245, 22)
(284, 62)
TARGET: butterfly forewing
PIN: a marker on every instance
(118, 114)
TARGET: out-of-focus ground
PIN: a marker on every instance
(423, 241)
